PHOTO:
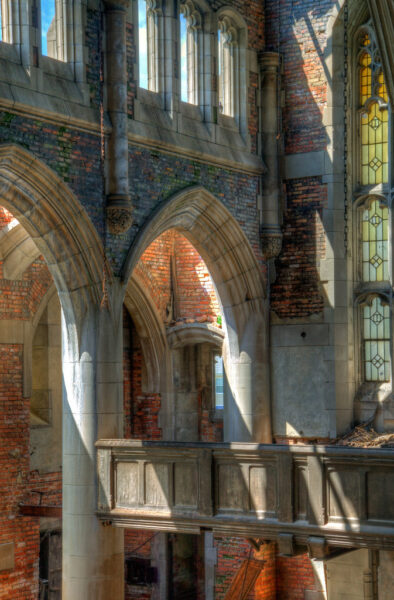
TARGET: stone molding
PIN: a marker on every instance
(187, 334)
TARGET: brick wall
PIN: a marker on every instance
(19, 300)
(195, 299)
(293, 577)
(296, 291)
(231, 553)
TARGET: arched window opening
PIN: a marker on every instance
(147, 44)
(189, 25)
(376, 340)
(374, 123)
(227, 66)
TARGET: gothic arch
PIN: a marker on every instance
(220, 241)
(51, 214)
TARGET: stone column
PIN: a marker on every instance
(270, 197)
(119, 209)
(247, 414)
(93, 561)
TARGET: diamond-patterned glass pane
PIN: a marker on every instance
(375, 123)
(376, 330)
(375, 163)
(375, 220)
(374, 226)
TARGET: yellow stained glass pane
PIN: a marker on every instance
(365, 76)
(374, 232)
(365, 41)
(374, 145)
(382, 90)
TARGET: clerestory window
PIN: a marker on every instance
(56, 29)
(148, 44)
(189, 27)
(227, 66)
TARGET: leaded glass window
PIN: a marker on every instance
(375, 247)
(376, 333)
(374, 125)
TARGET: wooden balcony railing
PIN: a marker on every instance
(308, 495)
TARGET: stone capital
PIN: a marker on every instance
(271, 243)
(269, 61)
(119, 213)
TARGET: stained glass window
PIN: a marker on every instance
(375, 266)
(376, 330)
(374, 127)
(365, 77)
(374, 145)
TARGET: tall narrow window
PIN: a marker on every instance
(48, 28)
(374, 126)
(218, 381)
(183, 44)
(142, 44)
(376, 331)
(227, 39)
(374, 240)
(374, 287)
(147, 44)
(189, 26)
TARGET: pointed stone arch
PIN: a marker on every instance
(219, 239)
(91, 365)
(55, 220)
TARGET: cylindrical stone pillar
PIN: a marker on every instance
(270, 230)
(119, 209)
(93, 560)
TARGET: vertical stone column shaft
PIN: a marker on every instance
(118, 199)
(271, 233)
(93, 559)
